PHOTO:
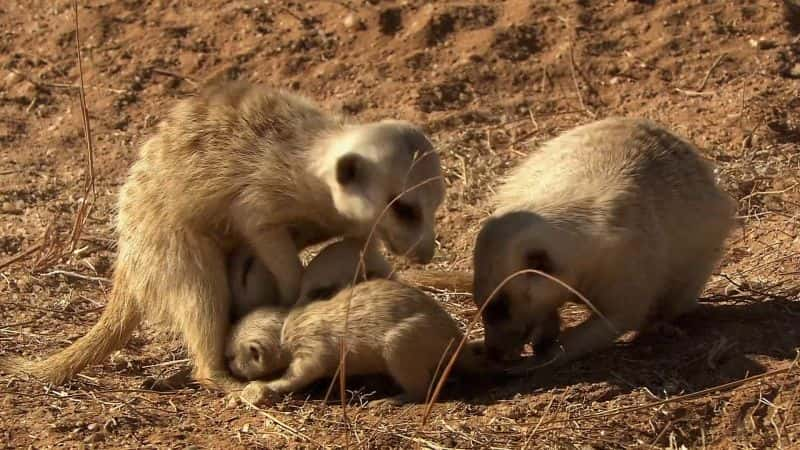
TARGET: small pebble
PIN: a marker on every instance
(794, 72)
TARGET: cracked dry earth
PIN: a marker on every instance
(487, 80)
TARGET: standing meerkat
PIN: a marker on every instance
(393, 329)
(622, 210)
(242, 163)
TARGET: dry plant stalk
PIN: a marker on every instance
(341, 371)
(85, 206)
(478, 314)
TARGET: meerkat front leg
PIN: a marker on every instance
(300, 374)
(275, 249)
(595, 334)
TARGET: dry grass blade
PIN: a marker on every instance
(20, 256)
(478, 314)
(710, 71)
(361, 268)
(283, 425)
(681, 398)
(573, 72)
(85, 206)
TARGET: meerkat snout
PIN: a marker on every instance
(388, 173)
(253, 349)
(524, 310)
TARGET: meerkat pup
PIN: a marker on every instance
(252, 285)
(392, 329)
(240, 163)
(340, 265)
(621, 209)
(336, 266)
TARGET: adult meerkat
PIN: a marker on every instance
(621, 209)
(393, 329)
(242, 163)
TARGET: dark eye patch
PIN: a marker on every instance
(498, 309)
(323, 292)
(405, 211)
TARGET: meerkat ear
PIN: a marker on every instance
(350, 169)
(538, 260)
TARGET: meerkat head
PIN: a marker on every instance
(254, 347)
(337, 265)
(522, 310)
(387, 164)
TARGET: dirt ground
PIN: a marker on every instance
(487, 80)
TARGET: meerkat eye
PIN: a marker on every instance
(498, 309)
(349, 170)
(405, 211)
(255, 353)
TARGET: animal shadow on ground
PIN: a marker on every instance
(715, 344)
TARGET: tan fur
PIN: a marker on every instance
(624, 211)
(331, 270)
(242, 163)
(438, 279)
(251, 284)
(393, 328)
(337, 266)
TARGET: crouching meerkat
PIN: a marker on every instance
(393, 329)
(621, 209)
(240, 163)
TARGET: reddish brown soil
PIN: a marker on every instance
(483, 78)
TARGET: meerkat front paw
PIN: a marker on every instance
(258, 393)
(397, 400)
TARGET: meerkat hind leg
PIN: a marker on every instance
(412, 369)
(200, 309)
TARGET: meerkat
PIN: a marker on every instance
(241, 163)
(336, 266)
(624, 211)
(393, 329)
(331, 270)
(339, 265)
(251, 284)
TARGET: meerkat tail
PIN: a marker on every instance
(438, 279)
(116, 324)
